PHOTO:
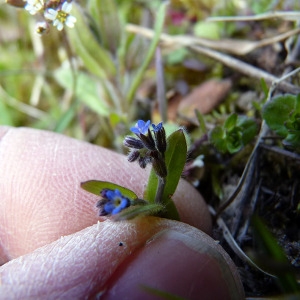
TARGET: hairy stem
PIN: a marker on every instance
(160, 190)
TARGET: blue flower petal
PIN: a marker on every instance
(109, 207)
(157, 127)
(141, 127)
(118, 194)
(116, 202)
(110, 195)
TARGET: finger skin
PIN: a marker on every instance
(113, 259)
(41, 198)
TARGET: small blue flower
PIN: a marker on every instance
(141, 127)
(157, 127)
(115, 203)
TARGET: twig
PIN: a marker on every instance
(288, 154)
(160, 86)
(234, 245)
(285, 15)
(234, 46)
(246, 69)
(236, 64)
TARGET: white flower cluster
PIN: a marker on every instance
(59, 16)
(34, 6)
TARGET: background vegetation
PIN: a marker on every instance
(205, 65)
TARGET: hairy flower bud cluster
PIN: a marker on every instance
(147, 148)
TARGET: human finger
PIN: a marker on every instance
(40, 192)
(117, 260)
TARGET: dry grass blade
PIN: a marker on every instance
(22, 107)
(234, 46)
(284, 15)
(236, 64)
(234, 245)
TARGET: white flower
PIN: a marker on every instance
(34, 6)
(61, 17)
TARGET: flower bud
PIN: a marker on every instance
(148, 140)
(132, 142)
(133, 156)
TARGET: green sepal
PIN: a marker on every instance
(96, 187)
(138, 210)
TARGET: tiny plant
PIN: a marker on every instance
(236, 132)
(149, 146)
(282, 115)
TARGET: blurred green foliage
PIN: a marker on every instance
(282, 114)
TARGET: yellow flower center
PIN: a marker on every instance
(62, 16)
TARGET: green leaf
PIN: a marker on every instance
(107, 22)
(138, 210)
(170, 211)
(292, 141)
(234, 140)
(201, 121)
(175, 157)
(249, 129)
(96, 186)
(274, 259)
(85, 90)
(264, 87)
(297, 105)
(95, 58)
(217, 137)
(66, 118)
(177, 56)
(159, 24)
(231, 121)
(207, 30)
(5, 115)
(277, 112)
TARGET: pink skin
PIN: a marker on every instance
(51, 243)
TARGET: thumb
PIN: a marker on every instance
(117, 259)
(40, 192)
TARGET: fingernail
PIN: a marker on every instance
(176, 264)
